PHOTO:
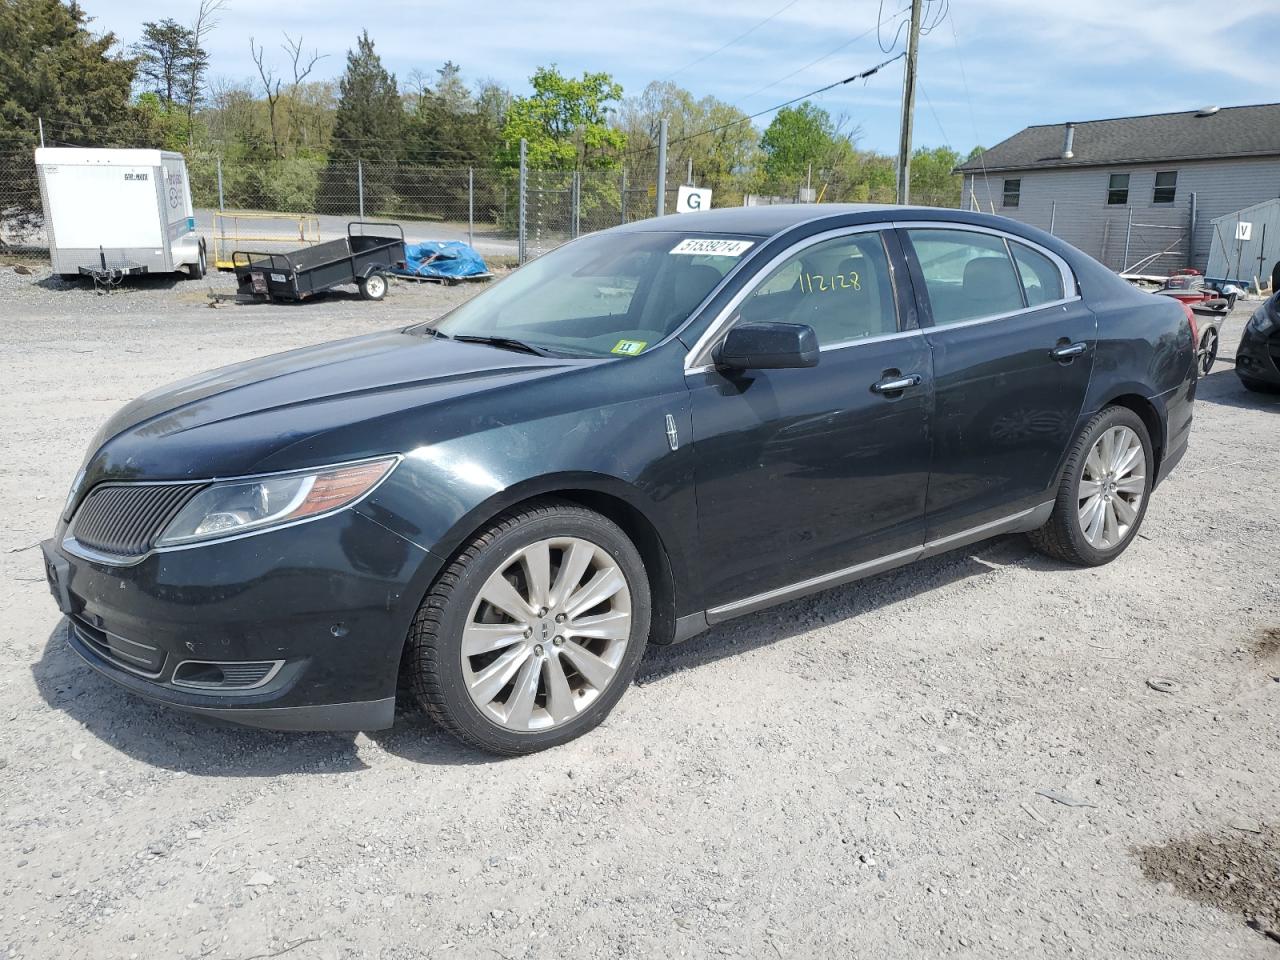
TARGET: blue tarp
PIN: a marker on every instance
(442, 258)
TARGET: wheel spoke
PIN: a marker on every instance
(1090, 507)
(601, 587)
(597, 672)
(523, 694)
(501, 594)
(1130, 459)
(1093, 527)
(615, 625)
(1093, 463)
(1119, 446)
(572, 566)
(537, 569)
(1110, 526)
(480, 638)
(488, 682)
(1132, 485)
(559, 696)
(1089, 488)
(1124, 510)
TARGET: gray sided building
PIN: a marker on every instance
(1138, 193)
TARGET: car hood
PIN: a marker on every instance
(273, 413)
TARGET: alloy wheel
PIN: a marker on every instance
(546, 634)
(1112, 486)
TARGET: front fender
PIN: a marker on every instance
(442, 493)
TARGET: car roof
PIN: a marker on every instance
(773, 219)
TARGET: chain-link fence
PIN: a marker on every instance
(507, 214)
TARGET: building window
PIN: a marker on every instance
(1012, 193)
(1166, 187)
(1118, 189)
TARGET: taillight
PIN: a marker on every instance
(1195, 327)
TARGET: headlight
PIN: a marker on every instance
(1263, 320)
(231, 507)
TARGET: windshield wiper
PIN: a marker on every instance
(504, 343)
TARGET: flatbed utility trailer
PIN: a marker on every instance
(361, 257)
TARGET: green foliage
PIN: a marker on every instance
(932, 179)
(167, 126)
(165, 55)
(566, 122)
(798, 137)
(51, 66)
(449, 127)
(369, 115)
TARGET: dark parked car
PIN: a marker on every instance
(645, 432)
(1258, 354)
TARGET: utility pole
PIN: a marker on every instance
(908, 104)
(662, 166)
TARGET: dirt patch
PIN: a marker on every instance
(1239, 873)
(1267, 647)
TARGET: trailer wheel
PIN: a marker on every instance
(196, 271)
(373, 287)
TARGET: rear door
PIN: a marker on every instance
(1013, 348)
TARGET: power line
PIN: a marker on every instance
(865, 74)
(826, 56)
(741, 36)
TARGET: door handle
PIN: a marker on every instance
(895, 384)
(1068, 351)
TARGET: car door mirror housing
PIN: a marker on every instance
(768, 346)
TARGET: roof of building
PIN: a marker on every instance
(1206, 134)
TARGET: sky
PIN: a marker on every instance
(987, 69)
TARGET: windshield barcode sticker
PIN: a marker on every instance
(713, 248)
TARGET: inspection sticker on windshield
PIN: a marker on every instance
(629, 348)
(713, 248)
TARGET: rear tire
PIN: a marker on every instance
(1208, 351)
(373, 287)
(493, 679)
(1102, 497)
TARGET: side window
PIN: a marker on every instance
(1166, 188)
(1012, 193)
(841, 287)
(1118, 189)
(1041, 278)
(966, 275)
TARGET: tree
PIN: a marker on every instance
(164, 56)
(720, 157)
(801, 136)
(566, 122)
(51, 66)
(449, 126)
(933, 179)
(369, 117)
(198, 63)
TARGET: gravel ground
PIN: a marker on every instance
(856, 773)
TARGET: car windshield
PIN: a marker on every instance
(607, 294)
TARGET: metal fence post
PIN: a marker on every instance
(471, 206)
(662, 166)
(1191, 234)
(623, 195)
(577, 203)
(1053, 214)
(524, 179)
(1128, 233)
(360, 185)
(221, 203)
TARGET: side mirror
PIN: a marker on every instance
(768, 346)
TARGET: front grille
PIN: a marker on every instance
(134, 656)
(123, 519)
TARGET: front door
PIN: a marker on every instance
(1013, 349)
(804, 472)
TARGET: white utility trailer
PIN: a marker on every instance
(109, 213)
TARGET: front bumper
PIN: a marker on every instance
(1258, 357)
(300, 628)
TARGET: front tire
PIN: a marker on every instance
(533, 631)
(1102, 496)
(1208, 351)
(197, 270)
